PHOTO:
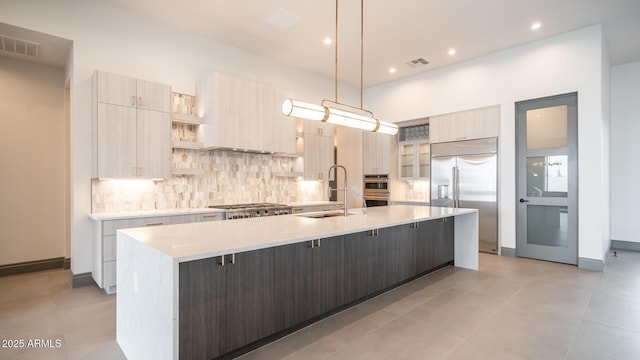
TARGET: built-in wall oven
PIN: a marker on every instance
(377, 190)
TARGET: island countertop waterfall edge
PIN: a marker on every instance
(149, 258)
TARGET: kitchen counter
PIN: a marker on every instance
(410, 202)
(186, 242)
(150, 259)
(150, 213)
(314, 203)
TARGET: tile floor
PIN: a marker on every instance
(510, 309)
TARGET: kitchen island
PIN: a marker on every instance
(207, 289)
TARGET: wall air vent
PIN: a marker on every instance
(417, 62)
(19, 47)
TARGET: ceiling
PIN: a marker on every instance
(395, 32)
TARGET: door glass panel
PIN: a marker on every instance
(547, 128)
(424, 160)
(547, 225)
(547, 176)
(406, 160)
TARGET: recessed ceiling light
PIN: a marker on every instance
(392, 70)
(327, 41)
(536, 26)
(452, 51)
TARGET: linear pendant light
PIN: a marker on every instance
(337, 113)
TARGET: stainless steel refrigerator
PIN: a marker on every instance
(465, 174)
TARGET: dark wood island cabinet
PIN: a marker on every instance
(230, 304)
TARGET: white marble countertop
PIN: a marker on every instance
(314, 203)
(186, 242)
(410, 202)
(190, 211)
(150, 213)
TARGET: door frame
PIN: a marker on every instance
(571, 100)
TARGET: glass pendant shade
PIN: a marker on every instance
(303, 110)
(346, 118)
(387, 128)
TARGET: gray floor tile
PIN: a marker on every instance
(512, 308)
(614, 310)
(526, 337)
(470, 350)
(401, 339)
(600, 342)
(456, 311)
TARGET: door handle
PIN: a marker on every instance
(523, 200)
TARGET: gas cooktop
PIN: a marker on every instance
(248, 206)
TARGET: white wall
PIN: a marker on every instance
(32, 155)
(108, 39)
(562, 64)
(625, 151)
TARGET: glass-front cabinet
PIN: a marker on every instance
(414, 156)
(407, 159)
(414, 160)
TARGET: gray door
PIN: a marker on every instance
(547, 179)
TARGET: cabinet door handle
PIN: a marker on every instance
(312, 244)
(318, 243)
(154, 224)
(221, 263)
(133, 100)
(233, 259)
(139, 100)
(210, 216)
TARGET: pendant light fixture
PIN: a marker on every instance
(334, 112)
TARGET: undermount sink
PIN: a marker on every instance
(325, 214)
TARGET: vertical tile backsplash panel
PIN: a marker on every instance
(224, 177)
(417, 190)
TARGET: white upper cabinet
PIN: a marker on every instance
(131, 128)
(376, 153)
(125, 91)
(153, 144)
(243, 114)
(154, 96)
(318, 149)
(465, 125)
(116, 141)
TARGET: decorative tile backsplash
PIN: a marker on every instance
(224, 177)
(417, 190)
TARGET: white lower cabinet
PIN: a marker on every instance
(105, 259)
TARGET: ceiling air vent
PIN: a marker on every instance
(417, 62)
(19, 47)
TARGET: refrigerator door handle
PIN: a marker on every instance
(456, 191)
